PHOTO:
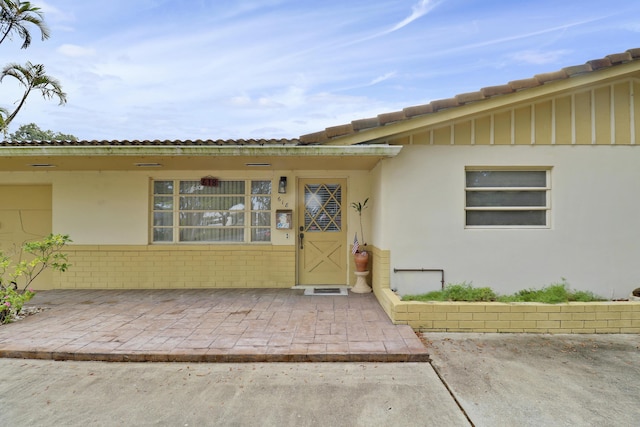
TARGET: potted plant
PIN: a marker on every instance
(360, 255)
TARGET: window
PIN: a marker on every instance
(322, 207)
(507, 198)
(231, 211)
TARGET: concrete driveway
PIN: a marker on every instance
(474, 379)
(70, 393)
(541, 380)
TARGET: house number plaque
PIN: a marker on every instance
(209, 181)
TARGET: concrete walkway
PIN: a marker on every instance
(252, 325)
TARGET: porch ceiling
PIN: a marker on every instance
(82, 158)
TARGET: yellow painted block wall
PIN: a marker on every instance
(381, 280)
(380, 269)
(572, 318)
(163, 267)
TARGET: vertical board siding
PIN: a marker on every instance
(483, 130)
(442, 135)
(553, 121)
(622, 113)
(543, 123)
(583, 118)
(635, 111)
(563, 121)
(603, 115)
(502, 128)
(602, 104)
(522, 125)
(462, 132)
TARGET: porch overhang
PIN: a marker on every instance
(177, 157)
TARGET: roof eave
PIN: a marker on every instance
(382, 134)
(377, 150)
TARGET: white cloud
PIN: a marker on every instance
(517, 36)
(418, 11)
(53, 13)
(631, 26)
(538, 57)
(75, 51)
(382, 78)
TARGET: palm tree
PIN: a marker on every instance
(32, 77)
(14, 17)
(3, 113)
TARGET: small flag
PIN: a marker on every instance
(356, 245)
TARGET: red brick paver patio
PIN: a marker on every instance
(209, 325)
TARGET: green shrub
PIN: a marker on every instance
(11, 302)
(552, 294)
(455, 292)
(429, 296)
(584, 296)
(15, 279)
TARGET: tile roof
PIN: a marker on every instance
(165, 143)
(466, 98)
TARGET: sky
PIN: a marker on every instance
(253, 69)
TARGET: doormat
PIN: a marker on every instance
(326, 291)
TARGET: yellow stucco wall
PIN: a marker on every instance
(183, 266)
(25, 215)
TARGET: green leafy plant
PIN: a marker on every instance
(359, 207)
(553, 294)
(11, 302)
(15, 279)
(456, 292)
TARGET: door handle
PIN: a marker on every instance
(301, 235)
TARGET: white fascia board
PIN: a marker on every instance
(376, 150)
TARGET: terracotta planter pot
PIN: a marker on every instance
(362, 260)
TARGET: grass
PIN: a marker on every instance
(553, 294)
(459, 292)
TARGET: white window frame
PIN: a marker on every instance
(247, 213)
(546, 208)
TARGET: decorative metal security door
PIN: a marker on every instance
(322, 258)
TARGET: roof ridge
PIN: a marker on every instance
(466, 98)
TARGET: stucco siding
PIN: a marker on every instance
(25, 215)
(592, 239)
(102, 207)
